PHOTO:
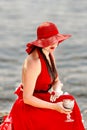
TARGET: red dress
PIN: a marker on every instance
(26, 117)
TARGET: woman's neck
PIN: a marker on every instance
(46, 52)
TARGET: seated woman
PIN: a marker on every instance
(39, 105)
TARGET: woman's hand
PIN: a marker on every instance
(56, 91)
(55, 95)
(59, 107)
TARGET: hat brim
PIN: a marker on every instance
(48, 41)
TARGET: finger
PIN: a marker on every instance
(67, 111)
(54, 98)
(51, 98)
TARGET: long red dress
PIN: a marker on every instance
(27, 117)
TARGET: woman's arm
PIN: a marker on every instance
(31, 71)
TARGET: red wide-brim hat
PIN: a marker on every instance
(47, 35)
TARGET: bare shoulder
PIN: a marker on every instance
(29, 62)
(32, 63)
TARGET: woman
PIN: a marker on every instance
(39, 106)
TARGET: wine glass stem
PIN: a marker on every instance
(68, 116)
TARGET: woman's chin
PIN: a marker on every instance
(52, 49)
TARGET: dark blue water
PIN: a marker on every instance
(18, 22)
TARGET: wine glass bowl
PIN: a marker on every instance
(68, 104)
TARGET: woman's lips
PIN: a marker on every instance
(52, 48)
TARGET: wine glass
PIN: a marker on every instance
(68, 104)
